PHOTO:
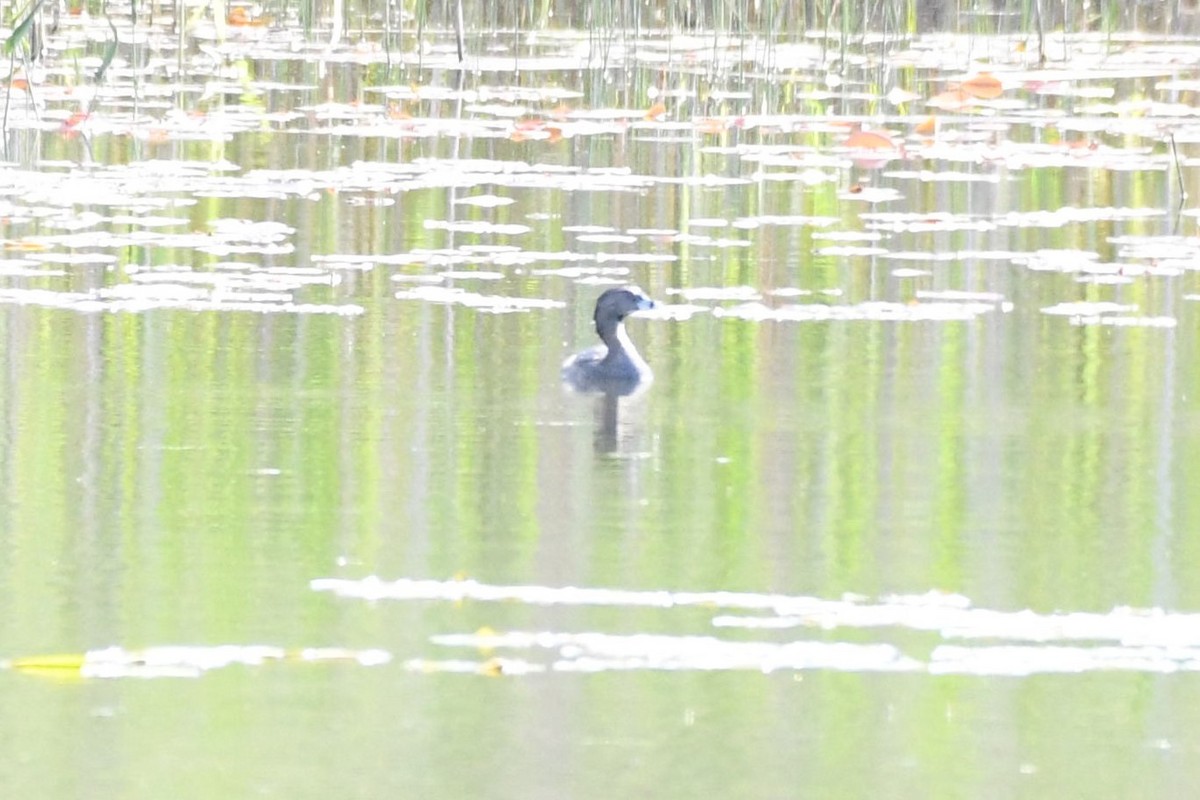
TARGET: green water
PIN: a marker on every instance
(179, 477)
(174, 477)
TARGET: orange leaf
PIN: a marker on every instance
(72, 121)
(869, 140)
(710, 125)
(927, 127)
(240, 16)
(655, 111)
(25, 246)
(985, 86)
(950, 100)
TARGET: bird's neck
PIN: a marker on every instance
(615, 339)
(620, 346)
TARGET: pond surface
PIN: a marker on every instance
(295, 505)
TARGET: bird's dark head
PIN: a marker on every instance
(616, 304)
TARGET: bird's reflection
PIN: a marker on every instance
(608, 414)
(619, 428)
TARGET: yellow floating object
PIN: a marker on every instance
(64, 661)
(25, 246)
(67, 666)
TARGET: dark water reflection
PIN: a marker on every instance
(180, 476)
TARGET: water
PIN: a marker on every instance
(281, 371)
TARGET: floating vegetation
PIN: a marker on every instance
(1127, 322)
(493, 304)
(876, 311)
(1085, 308)
(1106, 313)
(477, 227)
(599, 652)
(1149, 640)
(485, 201)
(132, 300)
(673, 311)
(717, 293)
(182, 661)
(799, 156)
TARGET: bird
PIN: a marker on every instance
(614, 366)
